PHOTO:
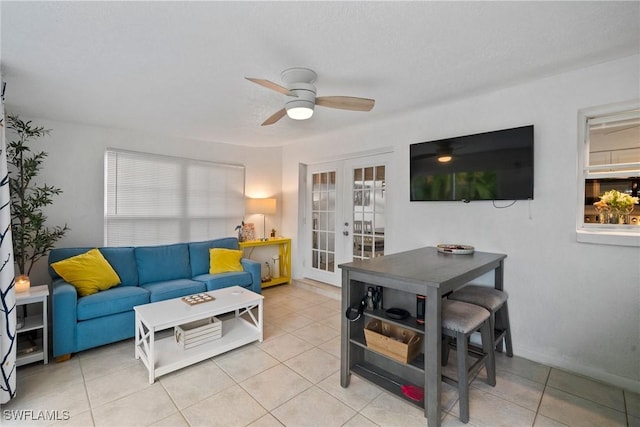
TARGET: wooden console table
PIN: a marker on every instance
(284, 251)
(404, 275)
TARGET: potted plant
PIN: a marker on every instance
(614, 207)
(32, 239)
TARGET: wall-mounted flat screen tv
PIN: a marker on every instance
(494, 165)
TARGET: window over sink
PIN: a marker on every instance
(609, 175)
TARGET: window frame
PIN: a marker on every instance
(605, 234)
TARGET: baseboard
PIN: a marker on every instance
(586, 371)
(318, 287)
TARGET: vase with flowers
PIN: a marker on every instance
(614, 207)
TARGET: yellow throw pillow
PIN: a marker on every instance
(224, 260)
(89, 272)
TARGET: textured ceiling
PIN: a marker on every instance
(178, 68)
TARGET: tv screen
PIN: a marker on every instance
(494, 165)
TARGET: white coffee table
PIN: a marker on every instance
(165, 355)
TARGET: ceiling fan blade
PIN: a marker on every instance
(275, 117)
(346, 103)
(271, 85)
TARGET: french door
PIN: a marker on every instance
(345, 211)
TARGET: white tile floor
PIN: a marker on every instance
(292, 379)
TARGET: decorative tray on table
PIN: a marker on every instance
(456, 249)
(198, 299)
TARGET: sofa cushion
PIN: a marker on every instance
(224, 280)
(224, 260)
(173, 289)
(199, 253)
(113, 301)
(162, 263)
(89, 272)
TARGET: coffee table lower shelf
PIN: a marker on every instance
(169, 357)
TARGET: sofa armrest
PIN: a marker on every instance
(255, 269)
(64, 304)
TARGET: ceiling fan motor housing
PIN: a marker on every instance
(301, 107)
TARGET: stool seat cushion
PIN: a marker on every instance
(462, 317)
(486, 297)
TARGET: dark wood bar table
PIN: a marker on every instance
(401, 277)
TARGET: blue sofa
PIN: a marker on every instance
(147, 274)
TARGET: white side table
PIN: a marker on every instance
(34, 322)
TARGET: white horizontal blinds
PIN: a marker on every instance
(152, 199)
(614, 145)
(215, 199)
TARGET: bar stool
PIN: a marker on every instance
(496, 302)
(459, 321)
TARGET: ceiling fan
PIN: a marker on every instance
(301, 96)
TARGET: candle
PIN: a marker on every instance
(22, 283)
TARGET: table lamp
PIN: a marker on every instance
(264, 207)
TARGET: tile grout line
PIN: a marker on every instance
(626, 408)
(624, 411)
(86, 390)
(174, 404)
(544, 389)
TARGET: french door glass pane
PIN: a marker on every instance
(368, 211)
(323, 193)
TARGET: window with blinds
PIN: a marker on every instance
(609, 175)
(152, 199)
(613, 164)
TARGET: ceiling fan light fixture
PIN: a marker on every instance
(444, 158)
(299, 113)
(299, 109)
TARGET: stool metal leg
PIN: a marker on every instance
(504, 312)
(463, 377)
(487, 347)
(497, 343)
(445, 350)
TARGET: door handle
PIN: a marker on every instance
(345, 232)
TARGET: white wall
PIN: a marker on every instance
(573, 305)
(75, 164)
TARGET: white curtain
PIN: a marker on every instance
(8, 339)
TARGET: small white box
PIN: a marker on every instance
(198, 332)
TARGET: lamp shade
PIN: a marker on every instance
(261, 206)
